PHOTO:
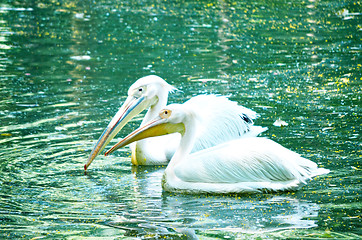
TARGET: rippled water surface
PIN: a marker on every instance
(66, 67)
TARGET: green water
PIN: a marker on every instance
(66, 67)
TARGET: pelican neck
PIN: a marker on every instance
(187, 141)
(154, 110)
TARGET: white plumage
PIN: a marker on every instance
(241, 165)
(220, 120)
(151, 92)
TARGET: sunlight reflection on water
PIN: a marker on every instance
(66, 69)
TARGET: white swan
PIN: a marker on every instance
(243, 165)
(151, 92)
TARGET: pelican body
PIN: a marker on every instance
(241, 165)
(151, 92)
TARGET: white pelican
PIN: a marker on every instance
(151, 92)
(243, 165)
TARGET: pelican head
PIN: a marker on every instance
(170, 120)
(147, 92)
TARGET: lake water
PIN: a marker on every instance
(66, 67)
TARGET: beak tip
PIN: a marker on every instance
(85, 167)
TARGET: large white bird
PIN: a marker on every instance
(151, 92)
(243, 165)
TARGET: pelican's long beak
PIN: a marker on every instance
(157, 127)
(130, 108)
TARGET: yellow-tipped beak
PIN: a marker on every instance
(156, 127)
(131, 107)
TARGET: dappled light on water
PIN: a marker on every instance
(66, 68)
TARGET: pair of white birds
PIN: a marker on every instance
(217, 150)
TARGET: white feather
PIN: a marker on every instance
(237, 122)
(242, 165)
(151, 92)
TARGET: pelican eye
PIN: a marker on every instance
(139, 91)
(165, 113)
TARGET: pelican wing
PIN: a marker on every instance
(243, 160)
(220, 120)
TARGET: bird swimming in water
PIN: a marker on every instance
(151, 92)
(240, 165)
